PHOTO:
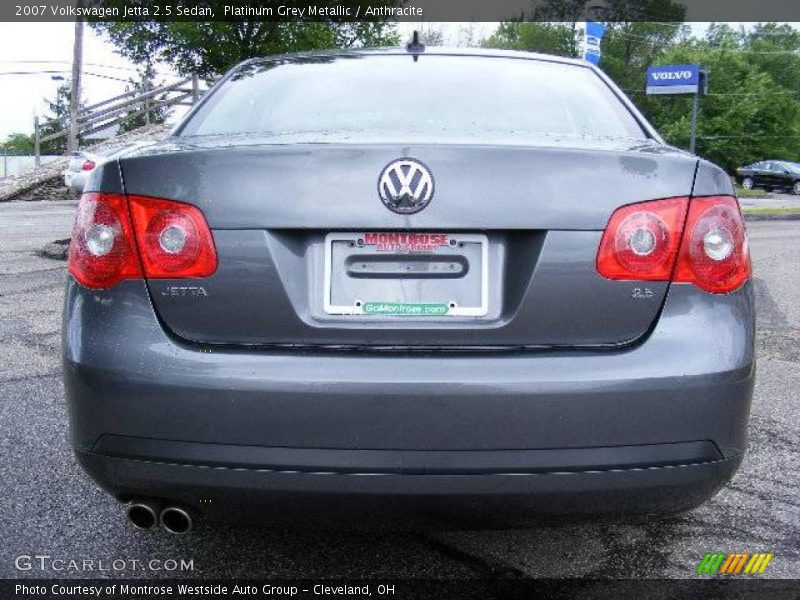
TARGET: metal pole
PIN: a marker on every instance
(195, 89)
(75, 96)
(693, 142)
(5, 162)
(37, 141)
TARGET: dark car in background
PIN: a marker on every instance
(451, 285)
(770, 175)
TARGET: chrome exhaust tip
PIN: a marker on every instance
(142, 516)
(175, 520)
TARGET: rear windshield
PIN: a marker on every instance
(390, 97)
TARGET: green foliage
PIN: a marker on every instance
(614, 11)
(747, 116)
(753, 109)
(780, 59)
(18, 144)
(57, 120)
(547, 38)
(210, 49)
(629, 48)
(140, 85)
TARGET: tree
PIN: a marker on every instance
(746, 117)
(629, 48)
(722, 35)
(210, 49)
(775, 49)
(547, 38)
(18, 144)
(753, 109)
(629, 39)
(144, 83)
(468, 37)
(431, 36)
(58, 120)
(613, 11)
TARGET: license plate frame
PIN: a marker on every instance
(422, 307)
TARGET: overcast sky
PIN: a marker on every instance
(23, 44)
(21, 96)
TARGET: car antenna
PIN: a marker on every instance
(415, 47)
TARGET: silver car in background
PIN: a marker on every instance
(84, 162)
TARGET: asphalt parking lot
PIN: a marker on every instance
(49, 507)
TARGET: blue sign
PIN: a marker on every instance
(591, 47)
(673, 79)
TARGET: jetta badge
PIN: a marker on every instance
(406, 186)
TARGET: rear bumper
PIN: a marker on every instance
(660, 426)
(284, 497)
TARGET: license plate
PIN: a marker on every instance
(405, 274)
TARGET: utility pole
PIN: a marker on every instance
(37, 141)
(75, 96)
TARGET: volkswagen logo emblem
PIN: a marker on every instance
(405, 186)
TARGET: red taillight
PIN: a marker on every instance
(649, 242)
(88, 165)
(714, 255)
(642, 240)
(173, 239)
(102, 253)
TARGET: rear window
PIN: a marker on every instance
(389, 97)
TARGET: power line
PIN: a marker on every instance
(67, 62)
(772, 93)
(720, 48)
(737, 94)
(793, 32)
(644, 38)
(48, 72)
(736, 137)
(59, 72)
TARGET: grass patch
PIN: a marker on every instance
(743, 193)
(783, 210)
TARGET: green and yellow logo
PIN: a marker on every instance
(741, 563)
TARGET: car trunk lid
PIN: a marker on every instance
(529, 220)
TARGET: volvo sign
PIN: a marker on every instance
(673, 79)
(680, 79)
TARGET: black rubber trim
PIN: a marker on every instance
(408, 462)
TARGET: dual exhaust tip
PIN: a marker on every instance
(146, 517)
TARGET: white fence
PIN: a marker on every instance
(17, 165)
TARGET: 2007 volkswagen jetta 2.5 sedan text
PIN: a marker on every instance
(454, 286)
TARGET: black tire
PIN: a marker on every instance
(796, 188)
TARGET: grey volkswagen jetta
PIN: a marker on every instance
(448, 285)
